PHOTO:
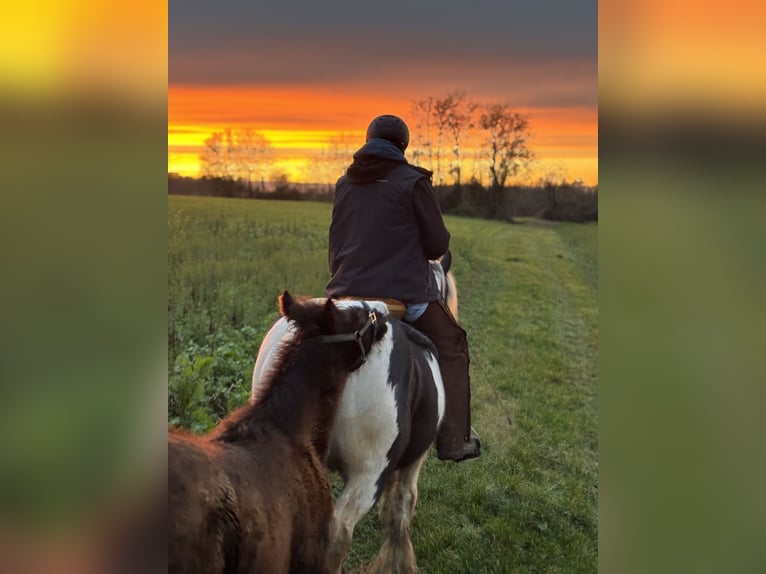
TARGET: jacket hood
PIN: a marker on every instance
(374, 160)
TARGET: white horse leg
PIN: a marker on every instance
(397, 509)
(354, 502)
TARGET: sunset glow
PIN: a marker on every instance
(302, 78)
(298, 123)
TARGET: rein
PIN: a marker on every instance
(372, 321)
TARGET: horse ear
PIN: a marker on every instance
(327, 321)
(285, 302)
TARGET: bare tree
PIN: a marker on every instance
(252, 156)
(551, 173)
(506, 137)
(215, 156)
(336, 156)
(423, 111)
(459, 121)
(236, 154)
(441, 112)
(442, 126)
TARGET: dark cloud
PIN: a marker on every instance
(564, 22)
(326, 42)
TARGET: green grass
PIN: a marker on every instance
(528, 303)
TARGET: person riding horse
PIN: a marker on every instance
(386, 225)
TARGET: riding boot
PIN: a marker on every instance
(456, 439)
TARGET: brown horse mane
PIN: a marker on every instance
(301, 367)
(296, 366)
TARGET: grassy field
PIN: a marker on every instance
(528, 302)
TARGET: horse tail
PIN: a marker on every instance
(449, 293)
(447, 284)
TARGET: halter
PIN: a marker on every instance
(372, 320)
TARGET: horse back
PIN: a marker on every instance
(259, 507)
(285, 505)
(204, 530)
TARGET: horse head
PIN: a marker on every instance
(357, 327)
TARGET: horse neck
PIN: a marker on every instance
(300, 399)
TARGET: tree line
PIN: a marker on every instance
(479, 153)
(558, 201)
(236, 154)
(459, 139)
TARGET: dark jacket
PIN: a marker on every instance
(386, 225)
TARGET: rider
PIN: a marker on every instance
(386, 225)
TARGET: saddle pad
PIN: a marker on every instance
(395, 307)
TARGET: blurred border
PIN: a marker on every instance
(83, 105)
(682, 126)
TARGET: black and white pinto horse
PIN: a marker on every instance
(387, 419)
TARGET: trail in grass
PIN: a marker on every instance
(529, 306)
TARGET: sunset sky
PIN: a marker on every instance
(300, 72)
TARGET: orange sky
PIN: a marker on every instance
(297, 121)
(301, 72)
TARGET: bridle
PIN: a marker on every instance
(358, 336)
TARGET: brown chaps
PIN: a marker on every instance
(452, 343)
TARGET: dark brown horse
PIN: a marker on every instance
(253, 495)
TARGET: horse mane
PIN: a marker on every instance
(281, 403)
(274, 405)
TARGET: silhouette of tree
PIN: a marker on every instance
(236, 154)
(336, 156)
(459, 121)
(422, 144)
(506, 139)
(442, 127)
